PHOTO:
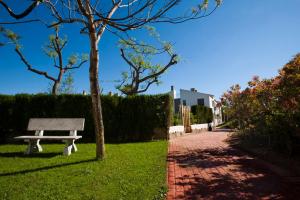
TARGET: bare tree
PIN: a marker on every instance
(116, 16)
(53, 50)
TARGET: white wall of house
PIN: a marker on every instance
(191, 98)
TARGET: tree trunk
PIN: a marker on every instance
(95, 95)
(58, 81)
(55, 88)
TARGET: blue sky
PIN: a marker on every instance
(241, 39)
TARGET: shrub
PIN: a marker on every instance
(177, 119)
(129, 119)
(269, 108)
(201, 114)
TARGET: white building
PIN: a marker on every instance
(193, 97)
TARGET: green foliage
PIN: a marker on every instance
(54, 42)
(12, 36)
(8, 36)
(177, 119)
(201, 114)
(67, 84)
(76, 58)
(228, 125)
(139, 55)
(55, 46)
(137, 118)
(192, 118)
(53, 49)
(203, 6)
(2, 36)
(130, 171)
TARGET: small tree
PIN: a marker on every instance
(54, 50)
(142, 73)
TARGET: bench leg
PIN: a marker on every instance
(33, 147)
(70, 147)
(74, 147)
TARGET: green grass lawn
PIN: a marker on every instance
(130, 171)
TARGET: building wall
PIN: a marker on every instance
(191, 98)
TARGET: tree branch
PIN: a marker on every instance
(185, 19)
(20, 22)
(78, 66)
(26, 12)
(127, 60)
(148, 85)
(30, 68)
(171, 62)
(109, 15)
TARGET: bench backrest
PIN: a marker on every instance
(56, 124)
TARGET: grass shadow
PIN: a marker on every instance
(46, 168)
(22, 155)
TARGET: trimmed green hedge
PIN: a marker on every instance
(126, 119)
(201, 114)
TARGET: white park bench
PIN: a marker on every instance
(39, 125)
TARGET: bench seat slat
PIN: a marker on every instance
(49, 137)
(56, 124)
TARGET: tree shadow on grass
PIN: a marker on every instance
(46, 167)
(226, 173)
(22, 155)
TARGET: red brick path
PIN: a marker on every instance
(203, 166)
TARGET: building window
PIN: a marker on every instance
(184, 102)
(200, 102)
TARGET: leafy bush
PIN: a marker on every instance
(228, 125)
(137, 118)
(177, 119)
(269, 108)
(201, 114)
